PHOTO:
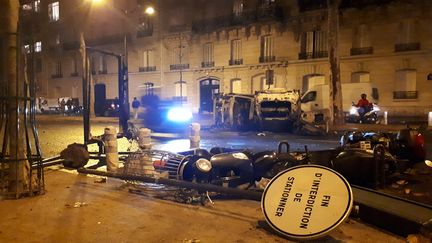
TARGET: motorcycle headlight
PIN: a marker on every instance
(179, 114)
(353, 111)
(203, 165)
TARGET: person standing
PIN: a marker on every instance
(135, 105)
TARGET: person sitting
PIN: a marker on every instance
(363, 105)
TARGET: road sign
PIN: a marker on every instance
(307, 202)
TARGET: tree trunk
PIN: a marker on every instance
(19, 167)
(336, 112)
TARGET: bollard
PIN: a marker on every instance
(385, 118)
(195, 135)
(110, 145)
(144, 138)
(430, 119)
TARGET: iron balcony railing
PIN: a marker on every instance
(102, 71)
(147, 69)
(179, 66)
(264, 13)
(405, 94)
(207, 64)
(312, 55)
(407, 47)
(235, 62)
(361, 51)
(263, 59)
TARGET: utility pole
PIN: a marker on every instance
(336, 112)
(19, 166)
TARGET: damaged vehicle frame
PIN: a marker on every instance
(276, 109)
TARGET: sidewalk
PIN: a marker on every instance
(76, 209)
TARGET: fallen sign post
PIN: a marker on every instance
(307, 202)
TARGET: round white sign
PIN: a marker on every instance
(306, 202)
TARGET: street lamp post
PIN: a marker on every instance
(123, 83)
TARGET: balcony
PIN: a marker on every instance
(57, 76)
(179, 66)
(361, 51)
(147, 69)
(102, 71)
(207, 64)
(265, 13)
(405, 95)
(74, 74)
(264, 59)
(233, 62)
(312, 55)
(407, 47)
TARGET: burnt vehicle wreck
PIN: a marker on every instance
(276, 109)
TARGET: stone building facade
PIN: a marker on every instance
(191, 49)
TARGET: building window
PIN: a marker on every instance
(145, 27)
(27, 49)
(236, 86)
(103, 67)
(207, 55)
(360, 77)
(36, 6)
(405, 84)
(181, 89)
(179, 58)
(236, 53)
(267, 47)
(38, 46)
(238, 7)
(313, 44)
(54, 11)
(57, 70)
(407, 37)
(361, 41)
(147, 61)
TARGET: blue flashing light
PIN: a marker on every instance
(179, 114)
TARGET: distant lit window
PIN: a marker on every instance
(36, 6)
(54, 11)
(27, 48)
(238, 7)
(179, 55)
(38, 46)
(180, 89)
(266, 3)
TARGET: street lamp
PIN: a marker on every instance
(123, 85)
